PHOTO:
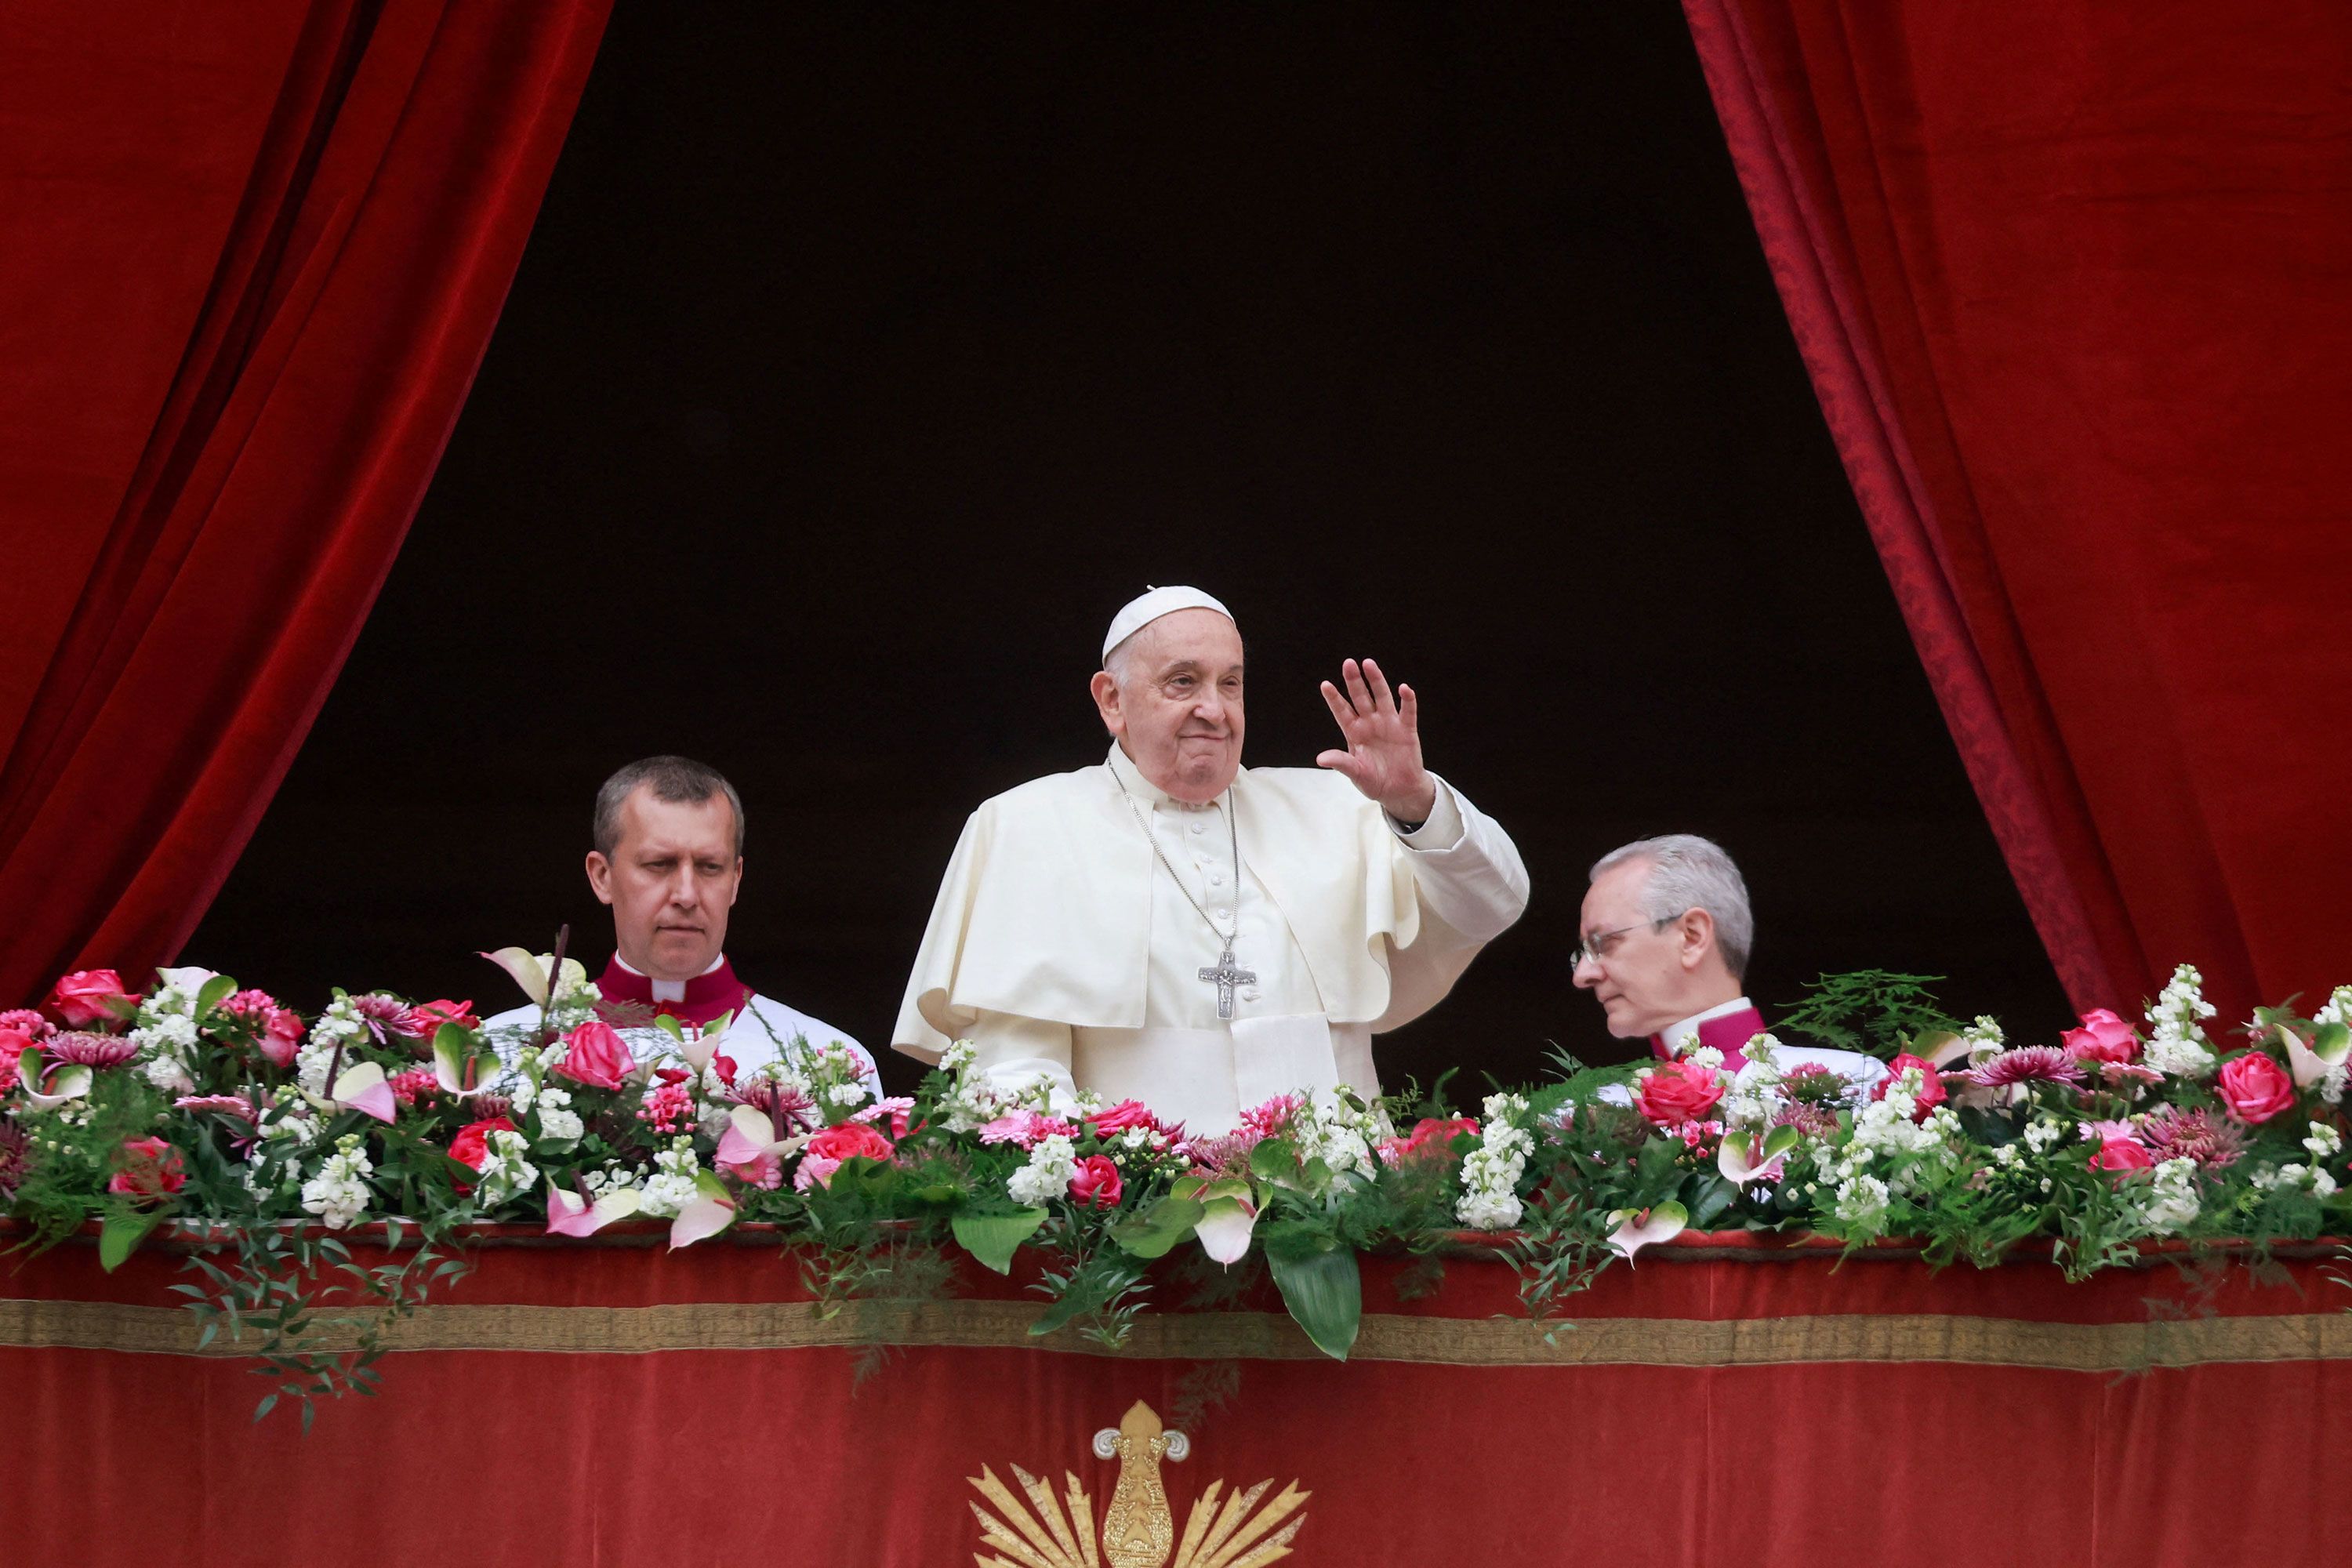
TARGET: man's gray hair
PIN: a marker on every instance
(1688, 872)
(682, 781)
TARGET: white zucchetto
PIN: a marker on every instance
(1143, 610)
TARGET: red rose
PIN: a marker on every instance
(1097, 1182)
(150, 1169)
(2103, 1038)
(1118, 1118)
(1678, 1092)
(2256, 1087)
(1931, 1084)
(472, 1146)
(596, 1056)
(2121, 1155)
(91, 996)
(1431, 1138)
(849, 1141)
(424, 1019)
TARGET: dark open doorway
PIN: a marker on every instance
(865, 361)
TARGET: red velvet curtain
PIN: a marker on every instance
(2073, 284)
(250, 256)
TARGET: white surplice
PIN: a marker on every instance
(1063, 946)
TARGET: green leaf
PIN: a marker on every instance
(121, 1237)
(216, 991)
(669, 1025)
(269, 1404)
(1325, 1295)
(1158, 1228)
(994, 1237)
(2332, 1043)
(1276, 1159)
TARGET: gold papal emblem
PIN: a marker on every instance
(1138, 1529)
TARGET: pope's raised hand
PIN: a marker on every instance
(1383, 741)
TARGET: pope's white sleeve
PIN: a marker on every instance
(1012, 1052)
(1467, 866)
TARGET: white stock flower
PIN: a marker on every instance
(506, 1168)
(338, 1194)
(1491, 1172)
(555, 1120)
(1861, 1203)
(2177, 1045)
(671, 1186)
(1051, 1163)
(2172, 1204)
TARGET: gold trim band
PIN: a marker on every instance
(1260, 1336)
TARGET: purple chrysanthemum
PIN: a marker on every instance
(89, 1050)
(2207, 1137)
(385, 1016)
(1813, 1120)
(2028, 1064)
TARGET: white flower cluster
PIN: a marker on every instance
(1985, 1040)
(339, 1025)
(975, 1100)
(1339, 1135)
(2338, 1010)
(556, 1119)
(2177, 1045)
(167, 1042)
(2294, 1174)
(1884, 1139)
(506, 1168)
(2043, 1133)
(671, 1186)
(1051, 1163)
(1753, 1096)
(2171, 1204)
(339, 1193)
(1490, 1173)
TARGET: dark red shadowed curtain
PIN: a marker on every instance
(250, 256)
(2073, 284)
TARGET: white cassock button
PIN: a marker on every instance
(1249, 994)
(1198, 827)
(1217, 878)
(1224, 914)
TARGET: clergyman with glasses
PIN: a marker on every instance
(1169, 927)
(1667, 932)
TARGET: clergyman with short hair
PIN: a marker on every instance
(1667, 934)
(667, 855)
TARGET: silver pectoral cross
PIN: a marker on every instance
(1224, 977)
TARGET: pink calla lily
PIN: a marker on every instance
(749, 1150)
(72, 1082)
(706, 1213)
(1638, 1228)
(1746, 1159)
(570, 1213)
(364, 1088)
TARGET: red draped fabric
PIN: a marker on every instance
(2073, 284)
(250, 256)
(1724, 1401)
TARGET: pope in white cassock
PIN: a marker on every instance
(1169, 927)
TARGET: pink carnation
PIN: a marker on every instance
(1025, 1128)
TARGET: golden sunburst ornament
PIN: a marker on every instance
(1138, 1529)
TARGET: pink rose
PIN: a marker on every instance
(1678, 1092)
(91, 996)
(13, 1042)
(596, 1056)
(2115, 1153)
(1097, 1182)
(2256, 1087)
(850, 1140)
(282, 1038)
(150, 1168)
(1118, 1118)
(2103, 1038)
(1931, 1084)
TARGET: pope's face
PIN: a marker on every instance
(671, 878)
(1179, 714)
(1640, 974)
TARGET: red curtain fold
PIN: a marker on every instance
(2074, 285)
(252, 257)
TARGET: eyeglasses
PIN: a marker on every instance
(1600, 944)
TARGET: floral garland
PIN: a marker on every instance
(215, 1105)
